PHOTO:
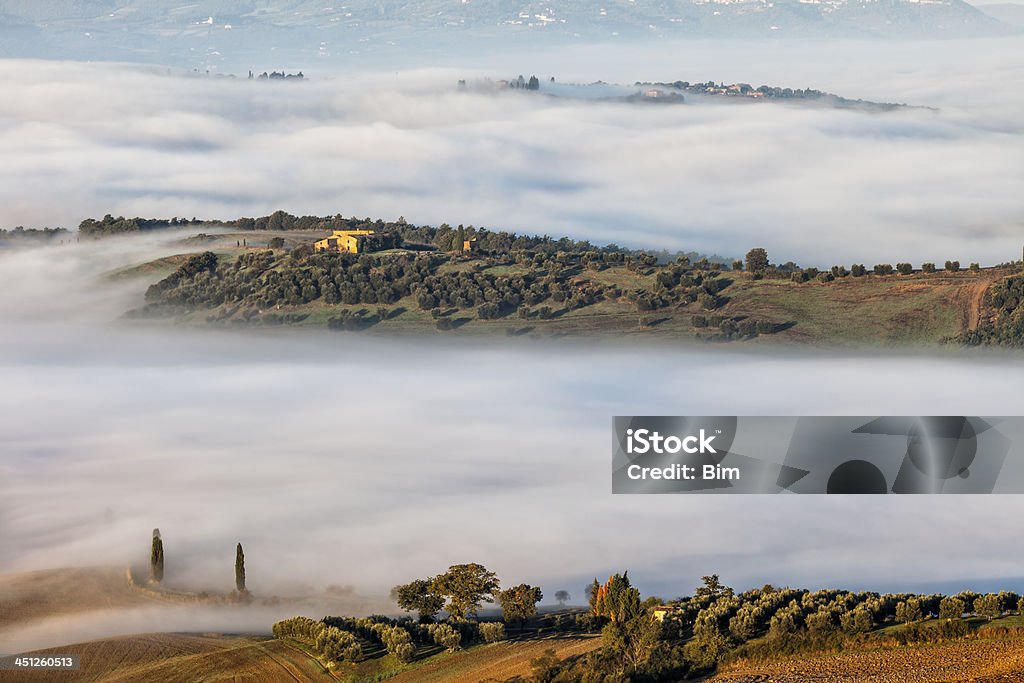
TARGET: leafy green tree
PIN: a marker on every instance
(711, 590)
(952, 607)
(156, 558)
(519, 603)
(989, 606)
(909, 611)
(466, 586)
(419, 596)
(617, 600)
(757, 260)
(239, 569)
(706, 651)
(632, 641)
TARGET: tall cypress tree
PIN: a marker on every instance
(156, 558)
(239, 569)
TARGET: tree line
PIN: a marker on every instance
(647, 639)
(540, 286)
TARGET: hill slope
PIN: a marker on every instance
(166, 657)
(56, 592)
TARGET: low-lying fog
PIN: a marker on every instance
(357, 461)
(913, 185)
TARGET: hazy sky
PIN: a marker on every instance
(812, 185)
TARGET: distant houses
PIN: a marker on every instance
(277, 76)
(344, 241)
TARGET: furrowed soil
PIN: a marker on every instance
(174, 657)
(496, 662)
(978, 660)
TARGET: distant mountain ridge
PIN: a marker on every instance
(315, 28)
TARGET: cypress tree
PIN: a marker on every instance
(239, 569)
(156, 558)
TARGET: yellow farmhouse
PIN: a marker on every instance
(347, 241)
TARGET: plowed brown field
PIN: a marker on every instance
(174, 657)
(978, 660)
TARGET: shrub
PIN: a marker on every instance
(445, 636)
(405, 652)
(488, 311)
(904, 268)
(928, 267)
(708, 302)
(492, 631)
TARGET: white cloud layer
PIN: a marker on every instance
(340, 459)
(814, 185)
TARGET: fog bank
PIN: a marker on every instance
(915, 184)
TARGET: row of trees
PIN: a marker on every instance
(332, 645)
(646, 639)
(690, 636)
(461, 591)
(757, 263)
(443, 237)
(36, 234)
(264, 280)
